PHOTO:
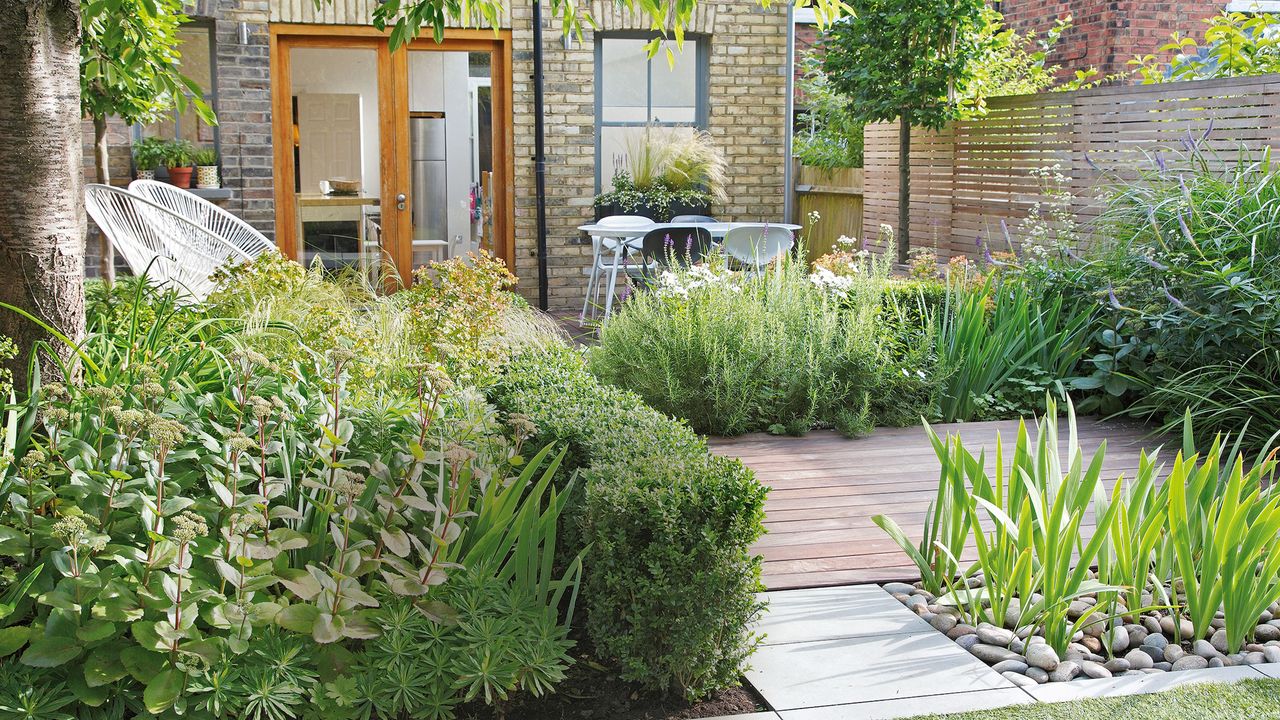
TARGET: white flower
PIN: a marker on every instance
(836, 285)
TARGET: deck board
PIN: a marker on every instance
(824, 490)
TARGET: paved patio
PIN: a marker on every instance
(826, 488)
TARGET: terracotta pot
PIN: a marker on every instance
(207, 177)
(180, 176)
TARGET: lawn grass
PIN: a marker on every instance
(1247, 700)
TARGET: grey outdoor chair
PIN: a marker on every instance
(669, 247)
(755, 246)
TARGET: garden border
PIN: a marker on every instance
(848, 628)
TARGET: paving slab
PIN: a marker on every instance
(910, 707)
(1271, 670)
(1139, 685)
(749, 716)
(836, 612)
(863, 669)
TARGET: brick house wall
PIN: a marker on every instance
(244, 118)
(746, 103)
(1106, 34)
(747, 100)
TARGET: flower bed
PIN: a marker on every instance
(296, 500)
(1173, 575)
(1149, 644)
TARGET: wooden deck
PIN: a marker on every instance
(825, 489)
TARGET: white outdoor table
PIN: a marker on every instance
(718, 230)
(635, 232)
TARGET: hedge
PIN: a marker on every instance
(669, 583)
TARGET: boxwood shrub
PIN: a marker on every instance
(669, 583)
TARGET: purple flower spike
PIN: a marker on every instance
(1154, 264)
(978, 242)
(1004, 227)
(1205, 135)
(1186, 192)
(1111, 298)
(624, 293)
(1176, 302)
(1186, 231)
(1160, 162)
(688, 245)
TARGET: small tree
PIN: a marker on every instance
(129, 67)
(904, 59)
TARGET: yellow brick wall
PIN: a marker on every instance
(747, 118)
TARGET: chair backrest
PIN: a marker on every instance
(205, 214)
(757, 245)
(165, 246)
(624, 221)
(669, 246)
(693, 219)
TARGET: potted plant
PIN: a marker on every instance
(148, 154)
(206, 160)
(177, 160)
(667, 175)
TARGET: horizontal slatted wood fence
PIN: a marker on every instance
(977, 178)
(836, 197)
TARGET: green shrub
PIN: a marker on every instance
(1185, 280)
(192, 516)
(669, 580)
(670, 586)
(1003, 346)
(783, 351)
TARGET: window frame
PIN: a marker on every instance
(210, 96)
(702, 83)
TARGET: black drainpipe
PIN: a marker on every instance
(539, 157)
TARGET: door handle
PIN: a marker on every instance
(400, 201)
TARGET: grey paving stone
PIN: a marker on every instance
(748, 716)
(863, 669)
(1271, 670)
(1138, 685)
(908, 707)
(836, 612)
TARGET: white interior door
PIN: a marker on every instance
(328, 138)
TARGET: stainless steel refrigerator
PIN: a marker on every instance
(430, 199)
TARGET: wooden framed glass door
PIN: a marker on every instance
(387, 161)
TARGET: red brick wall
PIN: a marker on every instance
(1106, 34)
(806, 38)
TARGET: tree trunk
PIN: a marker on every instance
(904, 188)
(41, 185)
(102, 159)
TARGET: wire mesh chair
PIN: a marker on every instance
(169, 249)
(205, 214)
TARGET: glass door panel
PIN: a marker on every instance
(337, 156)
(450, 152)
